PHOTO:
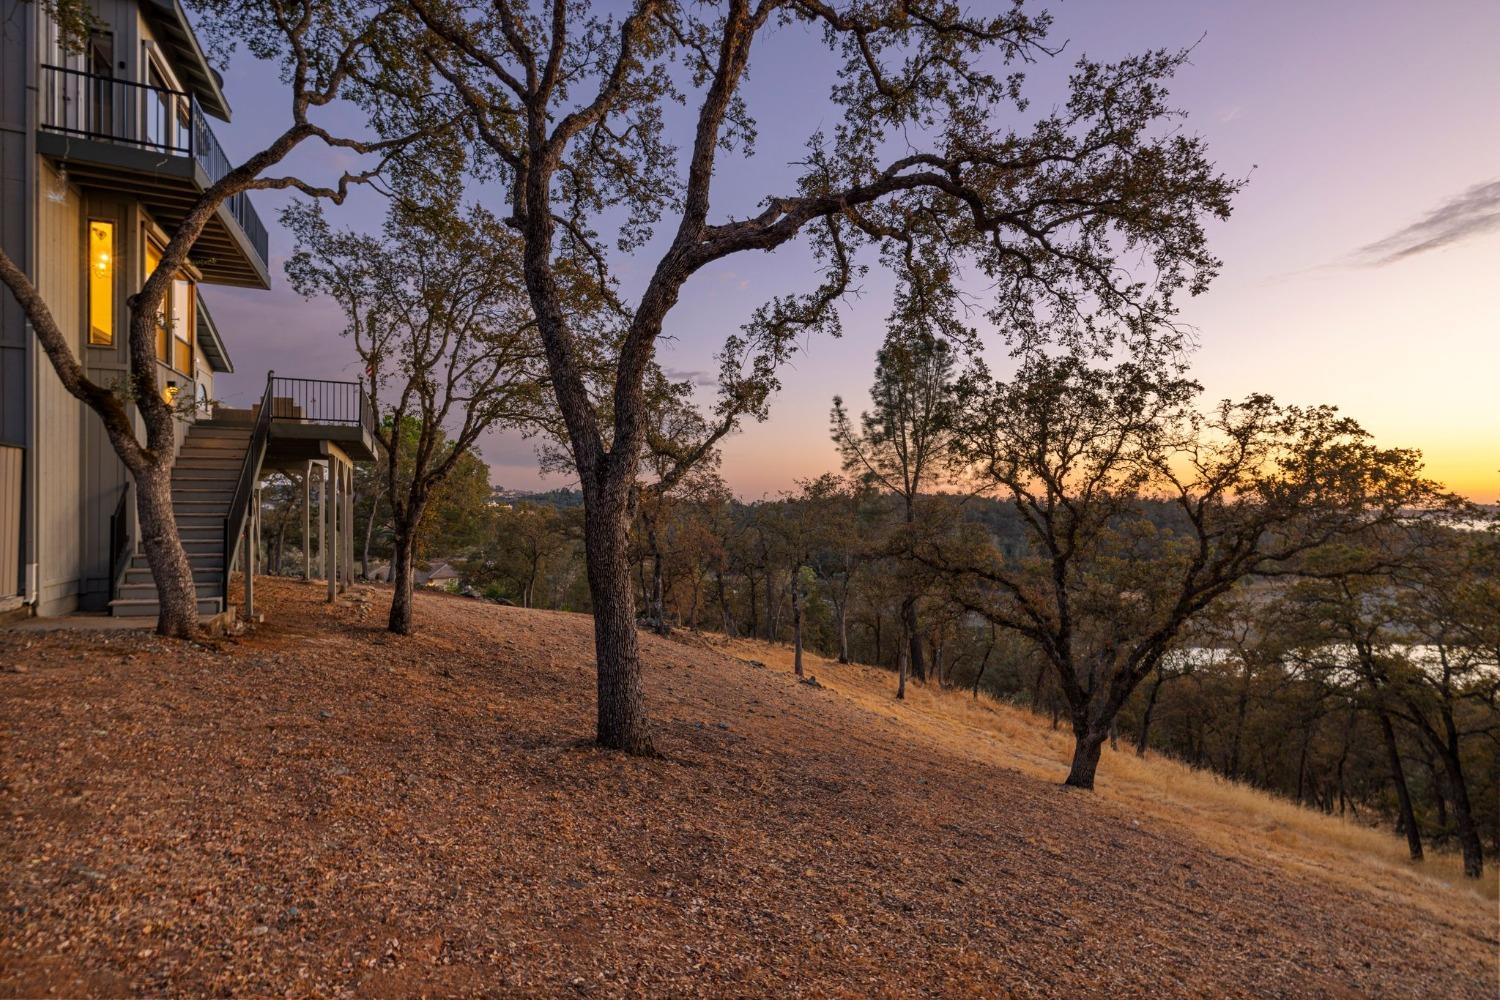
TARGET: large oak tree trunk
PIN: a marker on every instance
(177, 597)
(622, 721)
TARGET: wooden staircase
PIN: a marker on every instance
(204, 478)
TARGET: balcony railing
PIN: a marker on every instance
(107, 109)
(321, 401)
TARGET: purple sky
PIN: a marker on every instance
(1361, 267)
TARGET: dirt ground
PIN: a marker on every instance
(319, 808)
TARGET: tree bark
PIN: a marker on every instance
(1143, 738)
(1407, 815)
(796, 624)
(170, 570)
(369, 532)
(724, 604)
(1463, 812)
(752, 590)
(622, 720)
(658, 595)
(844, 630)
(403, 558)
(984, 662)
(1241, 709)
(1087, 748)
(913, 639)
(901, 667)
(771, 605)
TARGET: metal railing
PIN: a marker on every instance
(109, 109)
(321, 401)
(244, 490)
(119, 541)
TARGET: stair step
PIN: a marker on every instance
(190, 453)
(137, 591)
(190, 480)
(209, 459)
(142, 574)
(195, 465)
(149, 607)
(215, 444)
(201, 562)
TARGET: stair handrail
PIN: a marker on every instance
(119, 541)
(239, 506)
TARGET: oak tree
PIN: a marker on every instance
(928, 144)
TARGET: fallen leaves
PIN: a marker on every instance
(316, 808)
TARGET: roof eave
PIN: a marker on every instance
(211, 342)
(199, 77)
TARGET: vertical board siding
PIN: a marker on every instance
(58, 456)
(15, 208)
(10, 520)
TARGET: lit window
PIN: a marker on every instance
(183, 314)
(163, 337)
(102, 283)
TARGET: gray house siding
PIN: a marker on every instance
(71, 479)
(17, 195)
(58, 453)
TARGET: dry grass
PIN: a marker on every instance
(318, 808)
(1229, 816)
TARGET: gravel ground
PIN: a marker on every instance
(318, 808)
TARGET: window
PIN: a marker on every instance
(163, 338)
(101, 283)
(160, 110)
(101, 108)
(184, 312)
(178, 318)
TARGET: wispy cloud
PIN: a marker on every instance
(698, 378)
(1469, 214)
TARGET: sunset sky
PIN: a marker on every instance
(1361, 267)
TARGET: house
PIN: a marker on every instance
(102, 151)
(441, 577)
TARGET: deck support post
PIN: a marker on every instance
(322, 520)
(331, 506)
(348, 524)
(307, 522)
(248, 560)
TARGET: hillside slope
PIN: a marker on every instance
(319, 808)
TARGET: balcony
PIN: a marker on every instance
(155, 144)
(308, 414)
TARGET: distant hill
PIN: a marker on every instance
(561, 499)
